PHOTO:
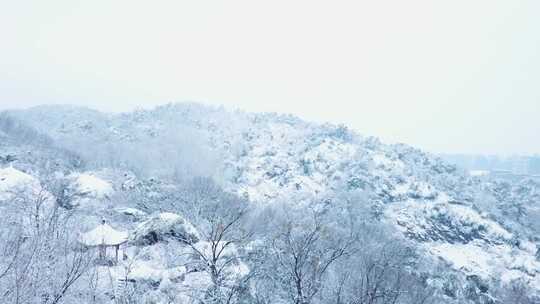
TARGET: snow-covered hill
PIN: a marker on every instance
(479, 227)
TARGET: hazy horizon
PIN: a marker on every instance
(459, 77)
(230, 108)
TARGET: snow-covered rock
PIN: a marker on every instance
(90, 186)
(24, 203)
(162, 226)
(15, 183)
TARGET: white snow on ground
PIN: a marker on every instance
(146, 270)
(466, 214)
(491, 254)
(470, 258)
(197, 280)
(90, 185)
(420, 217)
(489, 261)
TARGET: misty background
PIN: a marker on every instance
(447, 77)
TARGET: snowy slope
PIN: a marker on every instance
(450, 214)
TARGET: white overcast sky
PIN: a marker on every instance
(445, 76)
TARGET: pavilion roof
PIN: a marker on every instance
(103, 234)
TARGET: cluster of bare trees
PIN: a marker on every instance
(310, 260)
(298, 255)
(303, 250)
(326, 253)
(40, 261)
(222, 222)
